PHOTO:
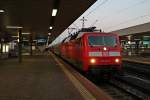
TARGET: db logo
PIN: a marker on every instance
(105, 53)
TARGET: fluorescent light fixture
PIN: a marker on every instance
(146, 36)
(54, 12)
(1, 11)
(16, 40)
(26, 33)
(50, 27)
(14, 27)
(5, 48)
(15, 36)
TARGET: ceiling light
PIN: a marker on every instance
(26, 33)
(50, 27)
(146, 36)
(49, 33)
(14, 27)
(54, 12)
(1, 11)
(15, 36)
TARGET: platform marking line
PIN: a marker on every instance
(83, 91)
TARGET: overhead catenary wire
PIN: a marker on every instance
(92, 11)
(119, 11)
(102, 3)
(122, 10)
(94, 23)
(124, 22)
(131, 6)
(106, 17)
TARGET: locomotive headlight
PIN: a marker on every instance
(104, 48)
(117, 60)
(92, 61)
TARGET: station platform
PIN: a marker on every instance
(43, 77)
(137, 59)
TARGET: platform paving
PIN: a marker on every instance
(36, 78)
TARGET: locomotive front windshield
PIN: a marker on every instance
(102, 41)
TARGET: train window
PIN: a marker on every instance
(102, 41)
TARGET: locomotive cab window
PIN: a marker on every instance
(102, 41)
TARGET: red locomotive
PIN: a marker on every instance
(92, 51)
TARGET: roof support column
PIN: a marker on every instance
(31, 42)
(1, 47)
(20, 46)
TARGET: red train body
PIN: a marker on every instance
(93, 51)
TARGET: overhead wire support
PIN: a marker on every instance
(83, 21)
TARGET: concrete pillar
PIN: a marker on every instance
(20, 46)
(31, 41)
(2, 40)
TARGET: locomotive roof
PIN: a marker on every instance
(81, 32)
(66, 39)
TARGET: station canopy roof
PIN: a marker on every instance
(35, 16)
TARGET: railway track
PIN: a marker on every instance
(116, 89)
(116, 92)
(127, 87)
(133, 87)
(137, 69)
(123, 87)
(138, 76)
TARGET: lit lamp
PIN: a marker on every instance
(1, 11)
(50, 27)
(49, 34)
(54, 12)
